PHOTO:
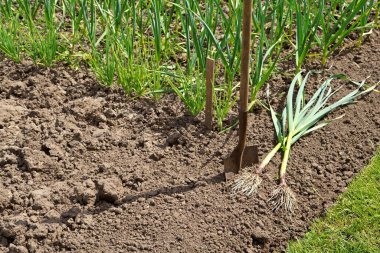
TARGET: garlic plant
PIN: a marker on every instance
(297, 120)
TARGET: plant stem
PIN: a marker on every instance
(285, 159)
(268, 158)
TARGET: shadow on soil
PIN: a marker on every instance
(102, 206)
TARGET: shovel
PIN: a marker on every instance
(243, 156)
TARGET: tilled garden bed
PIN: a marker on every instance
(84, 168)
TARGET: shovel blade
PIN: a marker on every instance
(231, 163)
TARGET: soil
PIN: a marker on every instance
(84, 168)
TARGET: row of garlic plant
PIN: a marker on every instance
(150, 47)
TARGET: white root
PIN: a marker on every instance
(283, 197)
(246, 183)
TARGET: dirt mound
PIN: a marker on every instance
(86, 169)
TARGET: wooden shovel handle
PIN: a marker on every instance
(244, 73)
(245, 55)
(209, 92)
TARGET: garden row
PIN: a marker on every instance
(152, 47)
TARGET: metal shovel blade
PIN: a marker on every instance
(231, 163)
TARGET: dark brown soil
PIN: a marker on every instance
(85, 169)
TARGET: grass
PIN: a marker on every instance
(353, 224)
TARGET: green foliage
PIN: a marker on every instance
(340, 19)
(136, 44)
(308, 18)
(300, 118)
(8, 42)
(297, 120)
(268, 42)
(192, 91)
(104, 65)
